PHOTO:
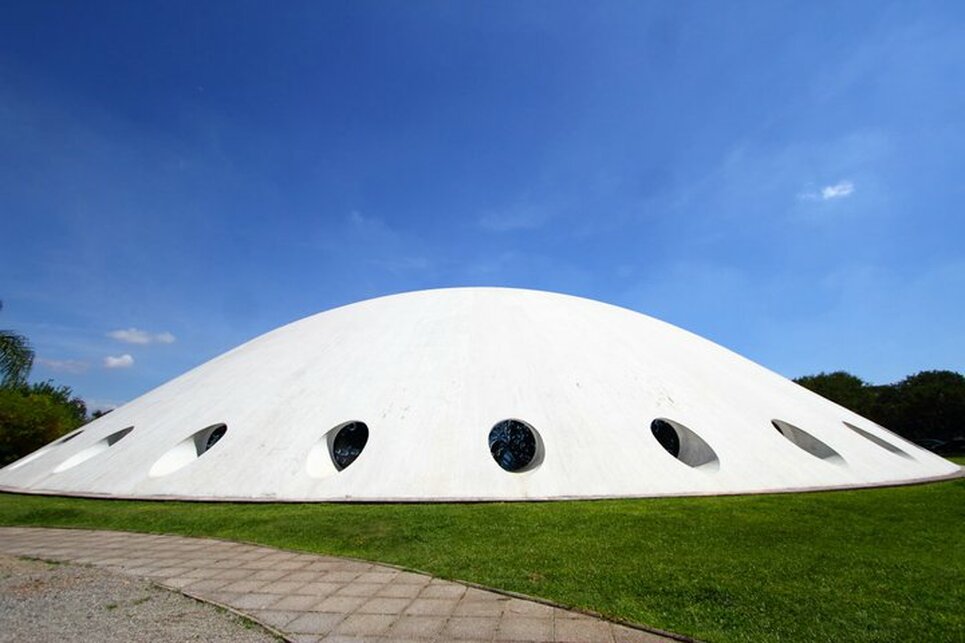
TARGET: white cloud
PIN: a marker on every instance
(839, 190)
(63, 365)
(138, 336)
(123, 361)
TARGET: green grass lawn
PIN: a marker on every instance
(878, 564)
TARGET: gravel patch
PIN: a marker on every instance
(41, 601)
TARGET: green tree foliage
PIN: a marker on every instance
(16, 357)
(844, 388)
(34, 415)
(31, 415)
(929, 404)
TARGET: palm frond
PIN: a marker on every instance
(16, 358)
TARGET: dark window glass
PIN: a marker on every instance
(214, 436)
(70, 437)
(512, 444)
(667, 436)
(348, 443)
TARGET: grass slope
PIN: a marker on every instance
(879, 564)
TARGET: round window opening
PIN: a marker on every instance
(684, 444)
(348, 443)
(214, 436)
(515, 446)
(667, 436)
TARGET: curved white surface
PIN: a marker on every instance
(431, 372)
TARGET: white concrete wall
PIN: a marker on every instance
(431, 372)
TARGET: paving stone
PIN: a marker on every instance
(261, 564)
(384, 606)
(431, 607)
(342, 604)
(290, 565)
(579, 630)
(233, 574)
(358, 589)
(417, 626)
(450, 590)
(409, 577)
(320, 566)
(224, 598)
(203, 585)
(254, 601)
(471, 627)
(295, 602)
(319, 589)
(303, 576)
(525, 628)
(339, 577)
(376, 577)
(244, 586)
(396, 590)
(267, 574)
(479, 608)
(528, 608)
(314, 623)
(282, 587)
(199, 572)
(275, 618)
(169, 572)
(365, 624)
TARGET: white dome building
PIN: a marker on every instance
(473, 394)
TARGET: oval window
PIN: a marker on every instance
(683, 444)
(188, 450)
(98, 447)
(807, 442)
(348, 443)
(515, 446)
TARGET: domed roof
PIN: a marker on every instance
(473, 394)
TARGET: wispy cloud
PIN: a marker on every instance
(839, 190)
(138, 336)
(122, 361)
(63, 365)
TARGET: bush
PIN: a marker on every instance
(34, 415)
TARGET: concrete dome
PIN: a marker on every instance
(415, 396)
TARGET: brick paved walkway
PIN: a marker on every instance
(306, 597)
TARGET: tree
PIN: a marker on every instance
(31, 415)
(929, 404)
(843, 388)
(34, 415)
(16, 357)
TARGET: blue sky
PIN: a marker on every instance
(783, 178)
